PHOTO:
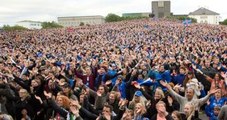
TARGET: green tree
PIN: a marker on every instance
(13, 28)
(112, 18)
(224, 22)
(47, 25)
(131, 18)
(182, 17)
(81, 23)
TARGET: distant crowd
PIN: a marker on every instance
(129, 70)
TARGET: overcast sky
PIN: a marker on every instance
(12, 11)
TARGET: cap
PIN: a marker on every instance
(120, 76)
(138, 93)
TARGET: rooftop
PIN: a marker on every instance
(203, 11)
(30, 21)
(82, 16)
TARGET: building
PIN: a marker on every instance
(135, 15)
(77, 20)
(30, 24)
(161, 8)
(204, 15)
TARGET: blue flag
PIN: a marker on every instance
(147, 82)
(187, 21)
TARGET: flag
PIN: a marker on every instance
(23, 71)
(187, 22)
(147, 82)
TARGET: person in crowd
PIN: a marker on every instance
(189, 97)
(113, 71)
(176, 115)
(216, 101)
(162, 114)
(222, 114)
(190, 112)
(138, 98)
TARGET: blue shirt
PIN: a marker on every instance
(209, 109)
(179, 79)
(122, 89)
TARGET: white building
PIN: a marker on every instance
(204, 15)
(77, 20)
(30, 24)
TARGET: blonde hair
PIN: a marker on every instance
(160, 102)
(143, 109)
(132, 103)
(192, 111)
(142, 99)
(26, 92)
(160, 91)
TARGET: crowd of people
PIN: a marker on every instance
(130, 70)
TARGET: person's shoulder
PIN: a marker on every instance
(224, 107)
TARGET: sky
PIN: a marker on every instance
(12, 11)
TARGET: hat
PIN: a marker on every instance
(120, 76)
(138, 93)
(113, 65)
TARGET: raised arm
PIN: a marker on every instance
(172, 92)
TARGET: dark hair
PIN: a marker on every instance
(105, 88)
(108, 106)
(101, 117)
(178, 114)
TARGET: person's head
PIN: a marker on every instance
(161, 68)
(128, 115)
(73, 104)
(189, 93)
(23, 93)
(159, 94)
(24, 112)
(161, 107)
(114, 66)
(198, 60)
(59, 101)
(216, 60)
(102, 70)
(120, 78)
(137, 96)
(81, 99)
(176, 115)
(207, 63)
(182, 70)
(107, 110)
(88, 70)
(190, 75)
(217, 110)
(51, 83)
(140, 109)
(34, 83)
(140, 77)
(218, 94)
(112, 97)
(66, 89)
(62, 101)
(102, 89)
(217, 76)
(188, 109)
